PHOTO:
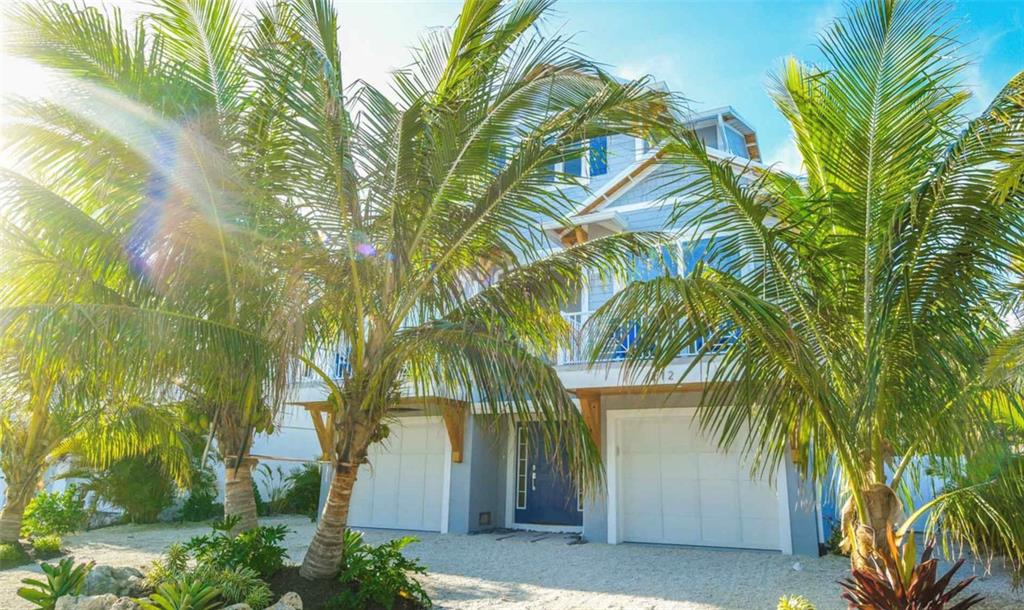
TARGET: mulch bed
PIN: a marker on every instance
(316, 594)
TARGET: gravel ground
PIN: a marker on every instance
(530, 570)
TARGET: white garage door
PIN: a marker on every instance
(402, 486)
(674, 487)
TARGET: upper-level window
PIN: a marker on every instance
(735, 142)
(657, 263)
(598, 155)
(573, 166)
(706, 250)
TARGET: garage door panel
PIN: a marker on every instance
(760, 533)
(675, 487)
(721, 531)
(720, 498)
(642, 438)
(401, 487)
(681, 529)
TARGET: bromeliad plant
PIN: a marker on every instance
(897, 581)
(64, 578)
(860, 305)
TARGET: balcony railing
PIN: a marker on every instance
(581, 342)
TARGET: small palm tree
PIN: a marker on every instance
(861, 303)
(422, 212)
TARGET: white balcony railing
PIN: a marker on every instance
(581, 342)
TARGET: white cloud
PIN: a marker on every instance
(786, 157)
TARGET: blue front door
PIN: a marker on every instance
(544, 492)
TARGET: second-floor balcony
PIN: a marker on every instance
(624, 343)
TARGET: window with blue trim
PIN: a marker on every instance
(704, 250)
(735, 141)
(573, 166)
(598, 156)
(658, 263)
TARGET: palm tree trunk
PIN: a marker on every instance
(11, 517)
(870, 535)
(323, 558)
(239, 498)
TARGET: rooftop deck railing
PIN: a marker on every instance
(582, 340)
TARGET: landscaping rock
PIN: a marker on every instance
(110, 579)
(238, 607)
(288, 601)
(87, 602)
(125, 603)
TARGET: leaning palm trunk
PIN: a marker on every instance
(239, 496)
(327, 548)
(328, 545)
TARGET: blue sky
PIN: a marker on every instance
(714, 52)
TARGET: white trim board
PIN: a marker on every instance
(614, 416)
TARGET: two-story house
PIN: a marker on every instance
(451, 468)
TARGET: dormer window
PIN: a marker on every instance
(734, 141)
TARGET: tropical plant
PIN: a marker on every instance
(183, 596)
(140, 485)
(144, 175)
(427, 214)
(55, 513)
(268, 214)
(859, 305)
(12, 555)
(238, 584)
(201, 503)
(45, 547)
(39, 429)
(302, 495)
(258, 548)
(64, 578)
(795, 602)
(378, 576)
(897, 581)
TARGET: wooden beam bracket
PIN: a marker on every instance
(454, 415)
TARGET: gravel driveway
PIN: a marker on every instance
(530, 570)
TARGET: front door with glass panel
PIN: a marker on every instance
(545, 493)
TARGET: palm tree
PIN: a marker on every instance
(415, 205)
(862, 301)
(36, 435)
(144, 175)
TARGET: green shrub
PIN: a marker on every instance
(58, 512)
(12, 555)
(138, 485)
(796, 602)
(183, 596)
(237, 584)
(243, 585)
(258, 548)
(46, 547)
(303, 493)
(378, 575)
(202, 503)
(64, 578)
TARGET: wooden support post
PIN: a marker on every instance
(454, 414)
(324, 430)
(590, 407)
